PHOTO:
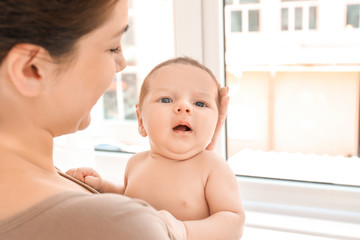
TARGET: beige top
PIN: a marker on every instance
(74, 215)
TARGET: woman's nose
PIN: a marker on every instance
(183, 108)
(120, 62)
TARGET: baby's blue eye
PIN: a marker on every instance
(165, 100)
(200, 104)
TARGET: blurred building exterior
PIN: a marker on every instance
(293, 68)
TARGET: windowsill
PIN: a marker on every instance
(251, 233)
(337, 170)
(289, 209)
(273, 226)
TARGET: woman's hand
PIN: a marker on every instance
(177, 227)
(224, 101)
(88, 176)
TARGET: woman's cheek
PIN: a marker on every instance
(105, 82)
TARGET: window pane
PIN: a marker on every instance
(294, 108)
(284, 19)
(110, 102)
(298, 18)
(129, 95)
(254, 21)
(228, 2)
(120, 98)
(352, 16)
(236, 21)
(312, 17)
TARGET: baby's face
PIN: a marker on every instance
(180, 111)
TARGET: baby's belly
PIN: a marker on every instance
(183, 205)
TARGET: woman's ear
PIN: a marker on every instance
(141, 128)
(26, 68)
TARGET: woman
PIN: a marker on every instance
(57, 58)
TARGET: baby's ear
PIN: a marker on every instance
(26, 68)
(141, 128)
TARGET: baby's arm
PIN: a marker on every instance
(227, 216)
(94, 180)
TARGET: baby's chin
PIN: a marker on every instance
(182, 155)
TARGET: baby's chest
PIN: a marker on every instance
(180, 193)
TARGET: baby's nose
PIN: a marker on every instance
(183, 108)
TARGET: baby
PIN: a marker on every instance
(178, 110)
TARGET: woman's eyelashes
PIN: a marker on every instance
(115, 50)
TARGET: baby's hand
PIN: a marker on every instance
(88, 176)
(224, 102)
(177, 227)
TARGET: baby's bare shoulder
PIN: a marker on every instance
(212, 159)
(212, 156)
(137, 159)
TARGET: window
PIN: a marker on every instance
(312, 18)
(236, 21)
(352, 15)
(296, 15)
(254, 21)
(286, 139)
(285, 100)
(284, 19)
(298, 18)
(244, 16)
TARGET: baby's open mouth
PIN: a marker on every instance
(182, 128)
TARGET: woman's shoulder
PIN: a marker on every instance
(118, 215)
(87, 216)
(100, 204)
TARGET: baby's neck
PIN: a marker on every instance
(175, 157)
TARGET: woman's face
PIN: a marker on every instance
(77, 88)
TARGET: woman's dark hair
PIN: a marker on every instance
(55, 25)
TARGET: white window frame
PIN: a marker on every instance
(298, 207)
